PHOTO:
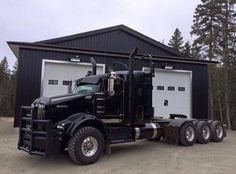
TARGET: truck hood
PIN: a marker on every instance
(58, 99)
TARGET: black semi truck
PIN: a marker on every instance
(103, 110)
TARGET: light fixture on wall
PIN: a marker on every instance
(169, 67)
(75, 59)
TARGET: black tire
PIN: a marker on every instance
(75, 145)
(183, 137)
(216, 137)
(203, 132)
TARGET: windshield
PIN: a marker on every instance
(86, 88)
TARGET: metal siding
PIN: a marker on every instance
(115, 41)
(29, 77)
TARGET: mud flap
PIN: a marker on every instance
(171, 133)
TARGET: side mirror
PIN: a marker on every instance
(111, 83)
(152, 69)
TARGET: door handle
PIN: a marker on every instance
(165, 102)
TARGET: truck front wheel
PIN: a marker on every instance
(86, 145)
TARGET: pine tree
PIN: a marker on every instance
(195, 52)
(7, 88)
(176, 40)
(214, 29)
(205, 29)
(4, 84)
(12, 90)
(187, 49)
(3, 70)
(227, 41)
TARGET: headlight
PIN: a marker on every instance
(41, 111)
(61, 126)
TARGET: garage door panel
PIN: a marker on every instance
(172, 93)
(59, 72)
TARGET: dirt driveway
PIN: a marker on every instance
(141, 157)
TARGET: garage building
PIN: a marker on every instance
(45, 68)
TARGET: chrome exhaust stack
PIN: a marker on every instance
(94, 68)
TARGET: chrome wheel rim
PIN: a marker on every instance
(206, 132)
(219, 131)
(190, 134)
(89, 146)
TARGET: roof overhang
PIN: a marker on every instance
(16, 46)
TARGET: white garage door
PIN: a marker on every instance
(172, 93)
(57, 74)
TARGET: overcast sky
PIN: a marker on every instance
(34, 20)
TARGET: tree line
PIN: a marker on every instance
(7, 88)
(214, 38)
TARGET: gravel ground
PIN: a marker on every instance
(139, 157)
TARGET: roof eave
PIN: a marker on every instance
(15, 47)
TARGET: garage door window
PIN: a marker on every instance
(160, 88)
(181, 88)
(66, 82)
(171, 88)
(53, 82)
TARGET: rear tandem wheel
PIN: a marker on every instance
(204, 134)
(217, 130)
(187, 134)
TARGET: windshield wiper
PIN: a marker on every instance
(83, 90)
